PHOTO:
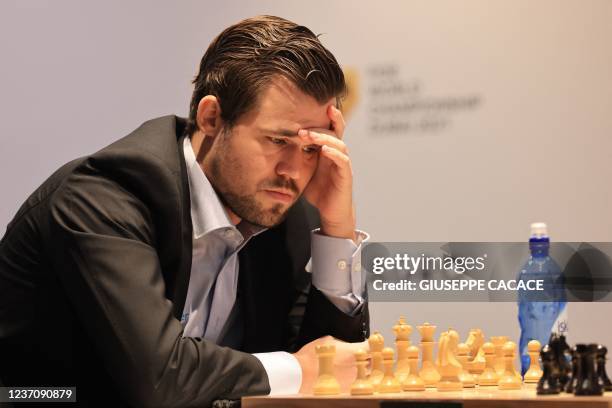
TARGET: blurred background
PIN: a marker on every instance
(467, 120)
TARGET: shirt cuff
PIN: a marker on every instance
(336, 270)
(283, 370)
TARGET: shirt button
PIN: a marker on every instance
(342, 264)
(357, 267)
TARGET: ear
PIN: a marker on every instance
(208, 117)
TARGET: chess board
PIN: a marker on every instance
(447, 381)
(431, 398)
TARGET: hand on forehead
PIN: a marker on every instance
(284, 106)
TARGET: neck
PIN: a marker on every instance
(234, 219)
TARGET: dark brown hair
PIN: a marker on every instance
(243, 59)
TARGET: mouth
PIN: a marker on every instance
(280, 195)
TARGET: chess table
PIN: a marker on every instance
(431, 398)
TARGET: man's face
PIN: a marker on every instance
(261, 167)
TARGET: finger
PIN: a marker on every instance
(337, 121)
(319, 138)
(340, 159)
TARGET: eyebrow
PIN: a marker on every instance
(279, 132)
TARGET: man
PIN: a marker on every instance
(169, 268)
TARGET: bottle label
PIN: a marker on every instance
(560, 325)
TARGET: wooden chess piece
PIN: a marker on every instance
(509, 380)
(587, 383)
(362, 385)
(402, 342)
(514, 348)
(413, 382)
(326, 383)
(440, 339)
(388, 384)
(534, 372)
(476, 362)
(449, 368)
(428, 371)
(499, 364)
(488, 377)
(474, 341)
(376, 342)
(602, 376)
(465, 377)
(571, 384)
(563, 356)
(549, 382)
(560, 350)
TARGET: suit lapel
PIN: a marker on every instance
(185, 231)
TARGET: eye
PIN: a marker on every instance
(311, 149)
(277, 141)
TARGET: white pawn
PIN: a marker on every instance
(389, 383)
(362, 385)
(413, 382)
(509, 380)
(488, 377)
(534, 372)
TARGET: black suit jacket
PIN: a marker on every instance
(94, 270)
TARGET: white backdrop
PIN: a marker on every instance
(505, 113)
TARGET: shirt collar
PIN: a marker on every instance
(207, 211)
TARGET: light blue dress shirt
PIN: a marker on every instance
(213, 283)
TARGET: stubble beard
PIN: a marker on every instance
(243, 205)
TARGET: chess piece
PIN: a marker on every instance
(514, 348)
(549, 382)
(413, 382)
(361, 385)
(488, 377)
(449, 368)
(476, 362)
(428, 372)
(509, 380)
(440, 339)
(402, 342)
(376, 342)
(587, 383)
(465, 377)
(474, 341)
(571, 384)
(498, 342)
(534, 372)
(388, 384)
(602, 376)
(326, 383)
(561, 351)
(564, 357)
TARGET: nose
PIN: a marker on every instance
(290, 163)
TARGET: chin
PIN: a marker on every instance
(273, 217)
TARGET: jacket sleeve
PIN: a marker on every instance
(103, 252)
(322, 318)
(313, 315)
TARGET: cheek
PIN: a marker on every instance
(309, 168)
(247, 164)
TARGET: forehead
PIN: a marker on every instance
(282, 104)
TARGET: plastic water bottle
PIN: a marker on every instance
(538, 319)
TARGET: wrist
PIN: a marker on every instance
(304, 386)
(344, 229)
